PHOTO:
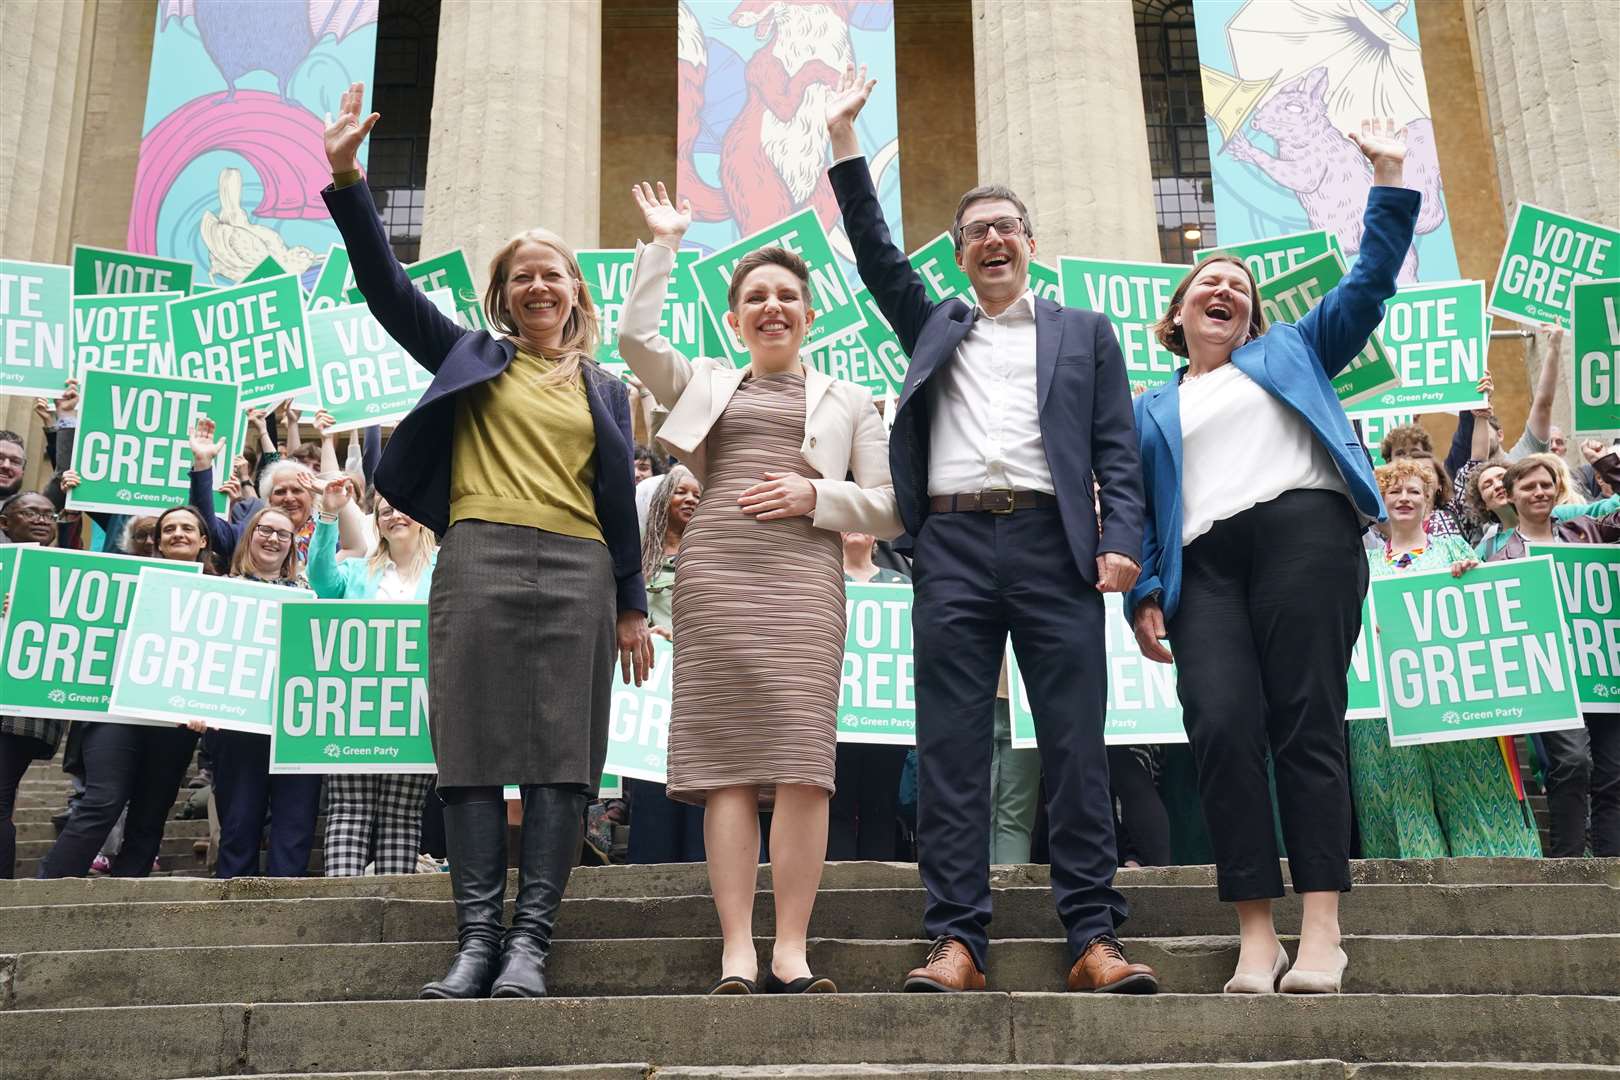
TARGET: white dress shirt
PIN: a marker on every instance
(984, 424)
(391, 586)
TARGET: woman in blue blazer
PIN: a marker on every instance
(1258, 491)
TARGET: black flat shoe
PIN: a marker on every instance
(733, 984)
(809, 984)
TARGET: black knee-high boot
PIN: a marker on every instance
(553, 818)
(475, 838)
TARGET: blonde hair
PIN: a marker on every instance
(426, 544)
(580, 333)
(242, 561)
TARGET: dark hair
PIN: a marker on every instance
(766, 256)
(1402, 441)
(1170, 335)
(205, 554)
(649, 455)
(1471, 493)
(984, 193)
(13, 437)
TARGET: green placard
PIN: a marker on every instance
(1134, 296)
(200, 287)
(335, 280)
(831, 297)
(1287, 297)
(876, 693)
(1589, 581)
(448, 271)
(133, 452)
(638, 729)
(1374, 426)
(267, 268)
(607, 275)
(201, 648)
(1045, 282)
(36, 346)
(1366, 700)
(1273, 256)
(251, 335)
(1437, 337)
(935, 263)
(8, 568)
(362, 376)
(351, 692)
(871, 357)
(1547, 254)
(98, 271)
(68, 612)
(1596, 339)
(123, 332)
(1482, 655)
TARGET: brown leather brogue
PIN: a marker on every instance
(1103, 969)
(949, 970)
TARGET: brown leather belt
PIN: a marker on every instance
(991, 501)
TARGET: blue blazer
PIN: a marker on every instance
(1082, 393)
(414, 472)
(1295, 363)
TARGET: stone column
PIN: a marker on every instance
(1058, 93)
(516, 132)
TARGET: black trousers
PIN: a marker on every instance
(661, 829)
(1269, 613)
(864, 813)
(1143, 826)
(123, 764)
(17, 752)
(1583, 771)
(978, 578)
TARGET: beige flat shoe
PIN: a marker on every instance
(1243, 982)
(1299, 981)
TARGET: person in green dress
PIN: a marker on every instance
(1439, 799)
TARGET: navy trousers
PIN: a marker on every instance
(245, 791)
(977, 578)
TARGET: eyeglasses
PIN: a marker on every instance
(1007, 226)
(270, 532)
(26, 514)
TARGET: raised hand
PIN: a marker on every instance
(345, 134)
(335, 495)
(667, 222)
(68, 404)
(204, 449)
(848, 98)
(1385, 146)
(69, 480)
(323, 424)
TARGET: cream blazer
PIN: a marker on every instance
(843, 434)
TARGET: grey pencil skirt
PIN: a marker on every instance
(521, 656)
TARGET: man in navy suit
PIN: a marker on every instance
(1009, 409)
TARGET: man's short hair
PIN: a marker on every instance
(12, 437)
(984, 193)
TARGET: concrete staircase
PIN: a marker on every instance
(1459, 969)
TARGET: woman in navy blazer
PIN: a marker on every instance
(519, 454)
(1258, 491)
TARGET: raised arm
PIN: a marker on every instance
(326, 577)
(1538, 424)
(865, 504)
(661, 369)
(204, 449)
(404, 311)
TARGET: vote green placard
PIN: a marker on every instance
(448, 271)
(1374, 426)
(351, 689)
(1133, 296)
(876, 692)
(1589, 581)
(201, 648)
(830, 294)
(133, 452)
(638, 727)
(252, 335)
(1437, 337)
(607, 276)
(36, 324)
(1289, 295)
(123, 332)
(98, 271)
(1045, 282)
(333, 282)
(1366, 700)
(1482, 655)
(935, 263)
(364, 377)
(1547, 254)
(268, 268)
(8, 569)
(1273, 256)
(1595, 335)
(871, 357)
(68, 612)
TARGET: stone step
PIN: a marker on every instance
(177, 858)
(1255, 1070)
(990, 1028)
(868, 914)
(1585, 965)
(173, 843)
(34, 831)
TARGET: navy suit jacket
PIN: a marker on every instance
(414, 473)
(1082, 393)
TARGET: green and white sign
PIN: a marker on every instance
(1045, 282)
(1133, 296)
(447, 271)
(1438, 337)
(1374, 426)
(133, 452)
(1596, 338)
(607, 275)
(638, 728)
(123, 332)
(935, 263)
(334, 281)
(1547, 255)
(351, 693)
(268, 268)
(202, 648)
(364, 377)
(1290, 295)
(99, 271)
(1589, 579)
(872, 357)
(68, 612)
(831, 297)
(1274, 256)
(1366, 701)
(876, 692)
(36, 347)
(1483, 655)
(8, 570)
(252, 336)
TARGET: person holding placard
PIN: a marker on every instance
(1248, 444)
(519, 455)
(1583, 773)
(771, 443)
